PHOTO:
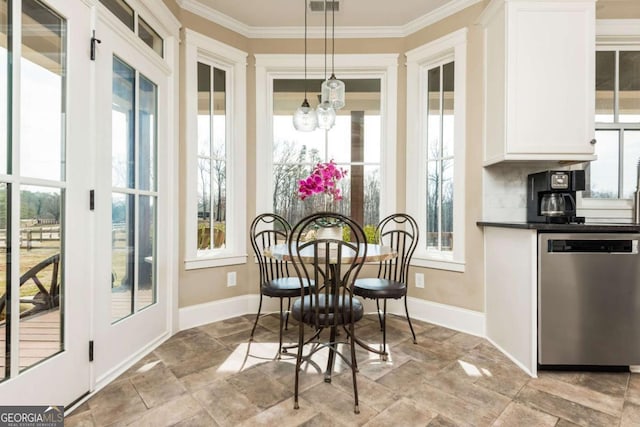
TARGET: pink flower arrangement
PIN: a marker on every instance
(322, 180)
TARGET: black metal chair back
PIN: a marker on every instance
(267, 230)
(332, 264)
(400, 232)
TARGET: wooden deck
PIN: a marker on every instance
(40, 334)
(39, 338)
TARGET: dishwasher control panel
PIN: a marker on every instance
(622, 246)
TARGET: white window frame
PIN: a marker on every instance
(373, 66)
(200, 48)
(611, 34)
(452, 47)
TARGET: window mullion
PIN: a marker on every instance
(441, 156)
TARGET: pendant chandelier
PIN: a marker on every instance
(326, 112)
(333, 90)
(305, 118)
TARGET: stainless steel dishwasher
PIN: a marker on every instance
(588, 299)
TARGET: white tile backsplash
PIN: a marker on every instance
(505, 190)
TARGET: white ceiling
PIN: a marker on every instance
(284, 18)
(357, 13)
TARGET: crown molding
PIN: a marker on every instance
(437, 15)
(194, 6)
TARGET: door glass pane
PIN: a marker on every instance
(447, 109)
(5, 323)
(631, 166)
(41, 90)
(605, 85)
(629, 108)
(123, 125)
(40, 273)
(149, 36)
(603, 176)
(4, 24)
(146, 252)
(122, 254)
(147, 134)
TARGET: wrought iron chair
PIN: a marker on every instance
(332, 265)
(267, 230)
(400, 231)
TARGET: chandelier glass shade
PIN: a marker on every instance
(305, 119)
(333, 90)
(326, 112)
(326, 115)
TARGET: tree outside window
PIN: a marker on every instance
(353, 144)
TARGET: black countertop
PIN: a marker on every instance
(573, 228)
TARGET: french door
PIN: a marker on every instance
(45, 221)
(132, 301)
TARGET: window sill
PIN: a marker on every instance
(217, 261)
(439, 263)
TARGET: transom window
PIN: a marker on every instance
(127, 15)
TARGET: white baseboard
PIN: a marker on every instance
(460, 319)
(215, 311)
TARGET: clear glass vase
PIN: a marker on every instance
(329, 232)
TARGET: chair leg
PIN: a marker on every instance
(354, 370)
(333, 348)
(406, 309)
(384, 330)
(379, 317)
(298, 364)
(257, 317)
(286, 319)
(280, 332)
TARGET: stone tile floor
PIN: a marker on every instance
(212, 376)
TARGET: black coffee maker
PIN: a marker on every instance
(551, 196)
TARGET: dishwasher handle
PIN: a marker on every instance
(607, 246)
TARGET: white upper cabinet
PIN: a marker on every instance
(539, 80)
